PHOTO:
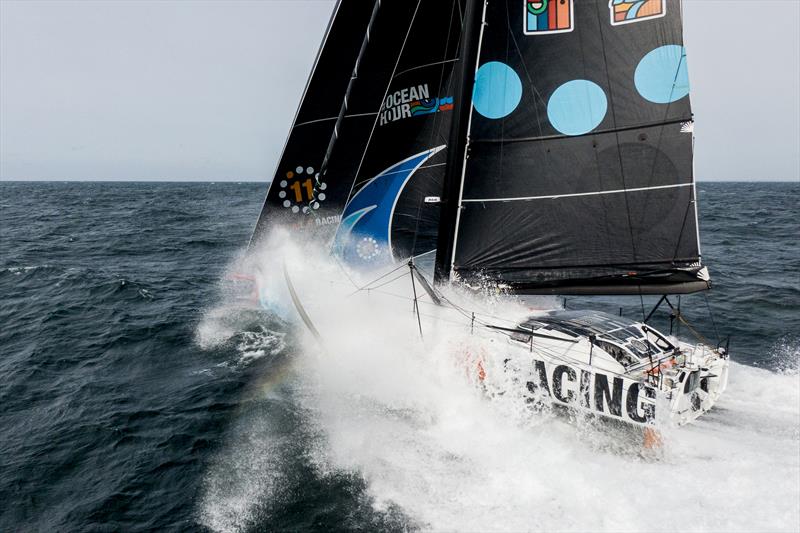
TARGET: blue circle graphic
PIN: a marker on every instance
(577, 107)
(497, 91)
(661, 76)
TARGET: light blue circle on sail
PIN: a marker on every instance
(497, 90)
(577, 107)
(661, 76)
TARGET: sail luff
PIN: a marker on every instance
(459, 140)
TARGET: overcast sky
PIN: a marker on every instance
(206, 90)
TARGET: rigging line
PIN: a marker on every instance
(661, 130)
(535, 90)
(713, 322)
(682, 319)
(641, 300)
(383, 100)
(414, 289)
(499, 175)
(401, 276)
(694, 332)
(683, 227)
(644, 320)
(554, 354)
(471, 315)
(433, 64)
(696, 206)
(616, 134)
(441, 73)
(559, 196)
(595, 136)
(466, 311)
(367, 286)
(353, 77)
(416, 228)
(406, 298)
(343, 269)
(354, 115)
(664, 118)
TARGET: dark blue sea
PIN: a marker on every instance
(121, 411)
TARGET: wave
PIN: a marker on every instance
(398, 414)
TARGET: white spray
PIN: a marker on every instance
(408, 415)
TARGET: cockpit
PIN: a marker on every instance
(630, 343)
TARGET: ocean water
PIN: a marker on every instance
(134, 397)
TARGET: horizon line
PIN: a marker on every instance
(254, 181)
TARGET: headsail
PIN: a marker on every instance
(579, 170)
(386, 218)
(295, 176)
(381, 129)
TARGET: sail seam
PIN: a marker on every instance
(590, 134)
(571, 195)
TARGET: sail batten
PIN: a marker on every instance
(326, 119)
(570, 195)
(509, 140)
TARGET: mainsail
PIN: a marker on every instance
(578, 177)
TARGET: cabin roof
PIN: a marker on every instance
(584, 323)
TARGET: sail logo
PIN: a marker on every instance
(364, 237)
(627, 11)
(412, 102)
(548, 16)
(297, 190)
(332, 220)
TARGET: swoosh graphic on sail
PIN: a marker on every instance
(364, 237)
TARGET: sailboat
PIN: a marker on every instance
(534, 147)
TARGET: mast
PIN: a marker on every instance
(458, 142)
